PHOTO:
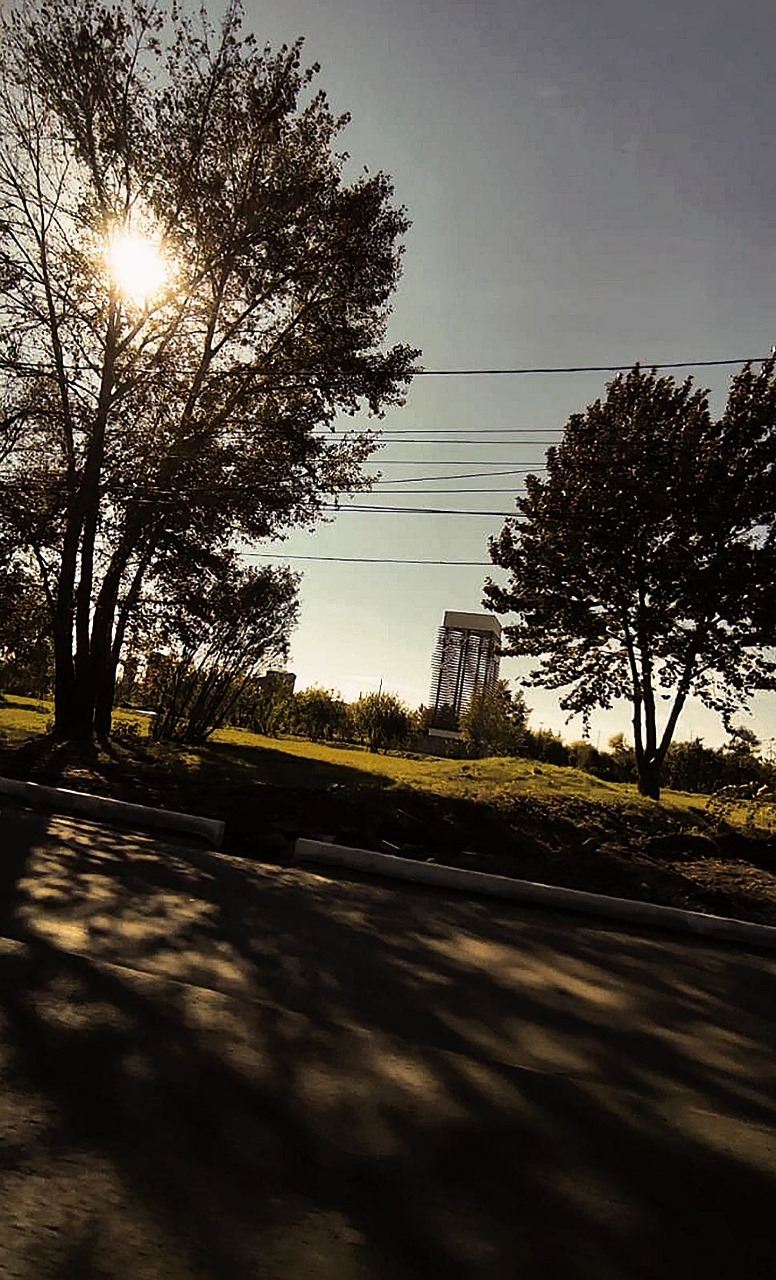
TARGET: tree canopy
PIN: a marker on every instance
(218, 633)
(495, 721)
(381, 720)
(191, 293)
(641, 566)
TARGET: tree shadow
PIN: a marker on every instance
(269, 797)
(371, 1081)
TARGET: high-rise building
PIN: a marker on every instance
(465, 662)
(274, 681)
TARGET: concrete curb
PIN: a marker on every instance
(721, 928)
(102, 809)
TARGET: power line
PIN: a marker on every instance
(412, 432)
(19, 366)
(450, 462)
(266, 555)
(471, 443)
(153, 488)
(468, 475)
(400, 492)
(416, 511)
(586, 368)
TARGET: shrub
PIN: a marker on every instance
(381, 720)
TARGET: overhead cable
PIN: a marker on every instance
(587, 368)
(266, 555)
(415, 511)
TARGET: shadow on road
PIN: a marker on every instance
(368, 1081)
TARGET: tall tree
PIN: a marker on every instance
(190, 293)
(642, 565)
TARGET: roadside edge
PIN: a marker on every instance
(102, 808)
(627, 910)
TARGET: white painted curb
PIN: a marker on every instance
(100, 808)
(599, 904)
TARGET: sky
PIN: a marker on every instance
(589, 184)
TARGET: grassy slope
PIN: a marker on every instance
(477, 780)
(514, 817)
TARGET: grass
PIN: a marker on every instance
(21, 717)
(479, 780)
(514, 817)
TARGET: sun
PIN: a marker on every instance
(137, 266)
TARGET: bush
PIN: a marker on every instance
(320, 715)
(543, 745)
(583, 755)
(381, 720)
(494, 723)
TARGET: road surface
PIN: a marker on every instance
(210, 1069)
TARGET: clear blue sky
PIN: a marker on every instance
(589, 184)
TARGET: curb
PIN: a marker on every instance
(101, 808)
(722, 928)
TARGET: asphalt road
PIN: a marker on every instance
(212, 1069)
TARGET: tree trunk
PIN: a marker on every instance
(102, 666)
(76, 673)
(649, 778)
(73, 711)
(105, 694)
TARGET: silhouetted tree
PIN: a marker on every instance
(219, 632)
(642, 565)
(190, 293)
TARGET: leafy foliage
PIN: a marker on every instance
(26, 657)
(264, 706)
(320, 715)
(219, 633)
(381, 720)
(143, 436)
(495, 721)
(641, 566)
(546, 746)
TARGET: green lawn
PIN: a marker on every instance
(478, 780)
(277, 762)
(514, 817)
(21, 718)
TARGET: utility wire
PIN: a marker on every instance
(451, 462)
(471, 443)
(416, 511)
(18, 366)
(411, 432)
(266, 555)
(397, 493)
(586, 368)
(467, 475)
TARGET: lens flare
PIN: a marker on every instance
(137, 267)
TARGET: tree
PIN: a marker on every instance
(544, 745)
(190, 294)
(220, 632)
(264, 706)
(624, 758)
(320, 715)
(381, 720)
(495, 721)
(25, 642)
(642, 565)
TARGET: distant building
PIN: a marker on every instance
(465, 662)
(277, 682)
